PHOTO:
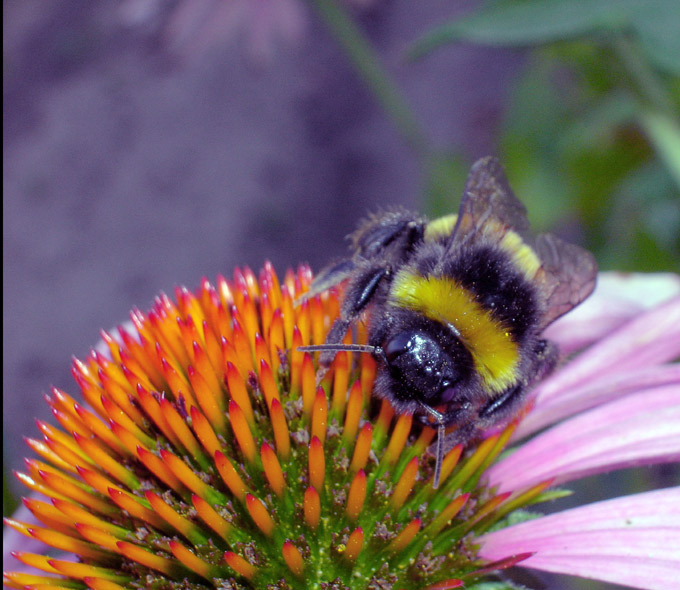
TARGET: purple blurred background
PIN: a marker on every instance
(135, 161)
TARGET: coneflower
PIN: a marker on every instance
(201, 454)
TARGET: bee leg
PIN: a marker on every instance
(464, 434)
(510, 401)
(547, 356)
(335, 336)
(364, 289)
(327, 278)
(464, 416)
(359, 294)
(441, 432)
(504, 404)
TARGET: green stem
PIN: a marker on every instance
(367, 63)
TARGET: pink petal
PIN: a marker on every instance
(652, 338)
(594, 393)
(639, 429)
(618, 297)
(633, 540)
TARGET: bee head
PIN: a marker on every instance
(426, 366)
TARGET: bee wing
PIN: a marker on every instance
(489, 209)
(330, 276)
(567, 275)
(488, 203)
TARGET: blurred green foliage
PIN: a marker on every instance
(591, 138)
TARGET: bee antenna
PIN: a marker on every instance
(341, 347)
(325, 360)
(441, 433)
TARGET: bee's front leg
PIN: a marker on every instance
(360, 292)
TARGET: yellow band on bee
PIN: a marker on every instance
(522, 255)
(443, 299)
(440, 228)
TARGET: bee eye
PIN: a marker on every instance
(401, 343)
(415, 348)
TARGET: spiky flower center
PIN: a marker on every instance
(206, 456)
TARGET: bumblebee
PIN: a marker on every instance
(456, 307)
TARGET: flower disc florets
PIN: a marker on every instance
(206, 456)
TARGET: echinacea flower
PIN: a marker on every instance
(203, 455)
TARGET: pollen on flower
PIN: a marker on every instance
(71, 513)
(157, 467)
(204, 454)
(445, 516)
